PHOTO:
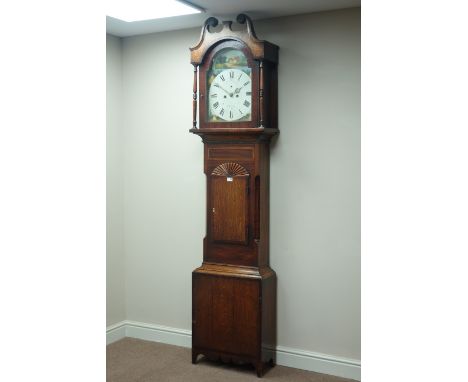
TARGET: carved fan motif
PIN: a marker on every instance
(230, 169)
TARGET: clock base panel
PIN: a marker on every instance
(234, 317)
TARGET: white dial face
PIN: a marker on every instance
(230, 95)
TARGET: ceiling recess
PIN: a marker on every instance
(226, 9)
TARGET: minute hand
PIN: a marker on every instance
(227, 92)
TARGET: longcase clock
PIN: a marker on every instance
(234, 290)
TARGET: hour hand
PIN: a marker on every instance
(239, 89)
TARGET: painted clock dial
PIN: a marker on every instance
(229, 87)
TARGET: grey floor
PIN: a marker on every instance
(130, 360)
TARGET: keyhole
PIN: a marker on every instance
(213, 210)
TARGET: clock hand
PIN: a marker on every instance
(239, 89)
(227, 92)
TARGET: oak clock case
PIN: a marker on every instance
(234, 290)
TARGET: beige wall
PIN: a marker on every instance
(315, 180)
(115, 249)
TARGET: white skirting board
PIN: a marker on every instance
(299, 359)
